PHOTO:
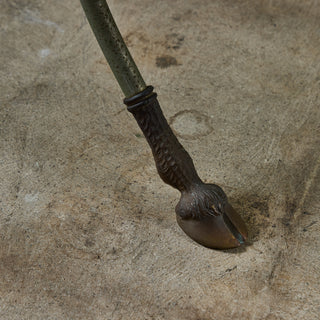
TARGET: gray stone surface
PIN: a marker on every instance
(88, 229)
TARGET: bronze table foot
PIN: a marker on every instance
(203, 211)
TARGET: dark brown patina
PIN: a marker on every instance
(203, 211)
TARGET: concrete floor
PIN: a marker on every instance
(88, 229)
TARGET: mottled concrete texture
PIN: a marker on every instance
(88, 229)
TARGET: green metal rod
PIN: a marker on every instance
(113, 46)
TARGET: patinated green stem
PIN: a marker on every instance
(113, 46)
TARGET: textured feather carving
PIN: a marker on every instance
(173, 163)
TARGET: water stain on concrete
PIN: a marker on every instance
(166, 61)
(190, 124)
